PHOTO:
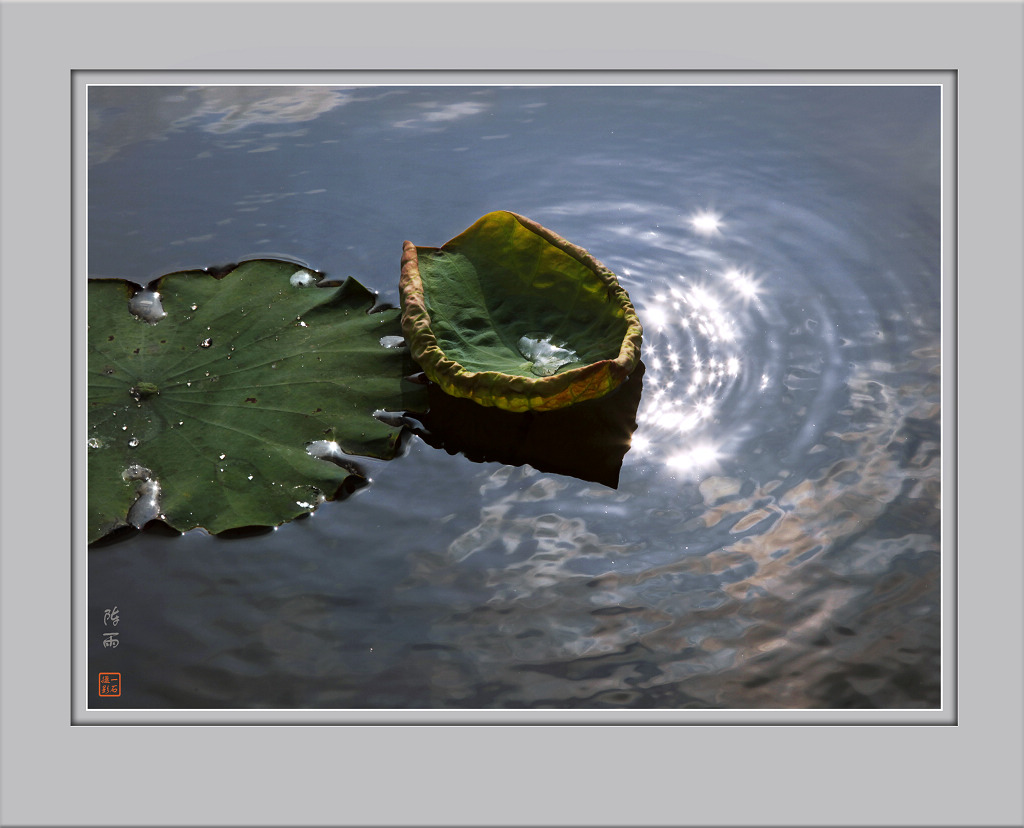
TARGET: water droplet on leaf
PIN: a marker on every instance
(324, 450)
(147, 306)
(147, 504)
(546, 353)
(390, 418)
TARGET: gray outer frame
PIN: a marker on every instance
(968, 774)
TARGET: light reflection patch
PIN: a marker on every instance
(694, 357)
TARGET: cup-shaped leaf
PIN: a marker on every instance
(510, 314)
(235, 400)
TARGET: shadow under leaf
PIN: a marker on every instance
(587, 440)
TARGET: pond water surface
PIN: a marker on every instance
(774, 540)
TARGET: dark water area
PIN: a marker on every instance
(774, 538)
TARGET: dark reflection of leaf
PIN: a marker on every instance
(587, 440)
(238, 402)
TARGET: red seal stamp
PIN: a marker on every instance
(110, 684)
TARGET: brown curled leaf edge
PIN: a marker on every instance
(465, 304)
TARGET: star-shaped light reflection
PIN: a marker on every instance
(744, 284)
(706, 222)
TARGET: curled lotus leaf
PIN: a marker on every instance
(237, 399)
(510, 314)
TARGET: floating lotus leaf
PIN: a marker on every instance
(510, 314)
(237, 403)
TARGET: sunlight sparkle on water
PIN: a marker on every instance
(640, 444)
(700, 456)
(655, 317)
(706, 222)
(743, 283)
(701, 297)
(693, 358)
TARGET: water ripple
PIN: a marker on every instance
(777, 436)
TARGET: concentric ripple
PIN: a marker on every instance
(782, 452)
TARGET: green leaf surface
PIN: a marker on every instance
(510, 314)
(206, 417)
